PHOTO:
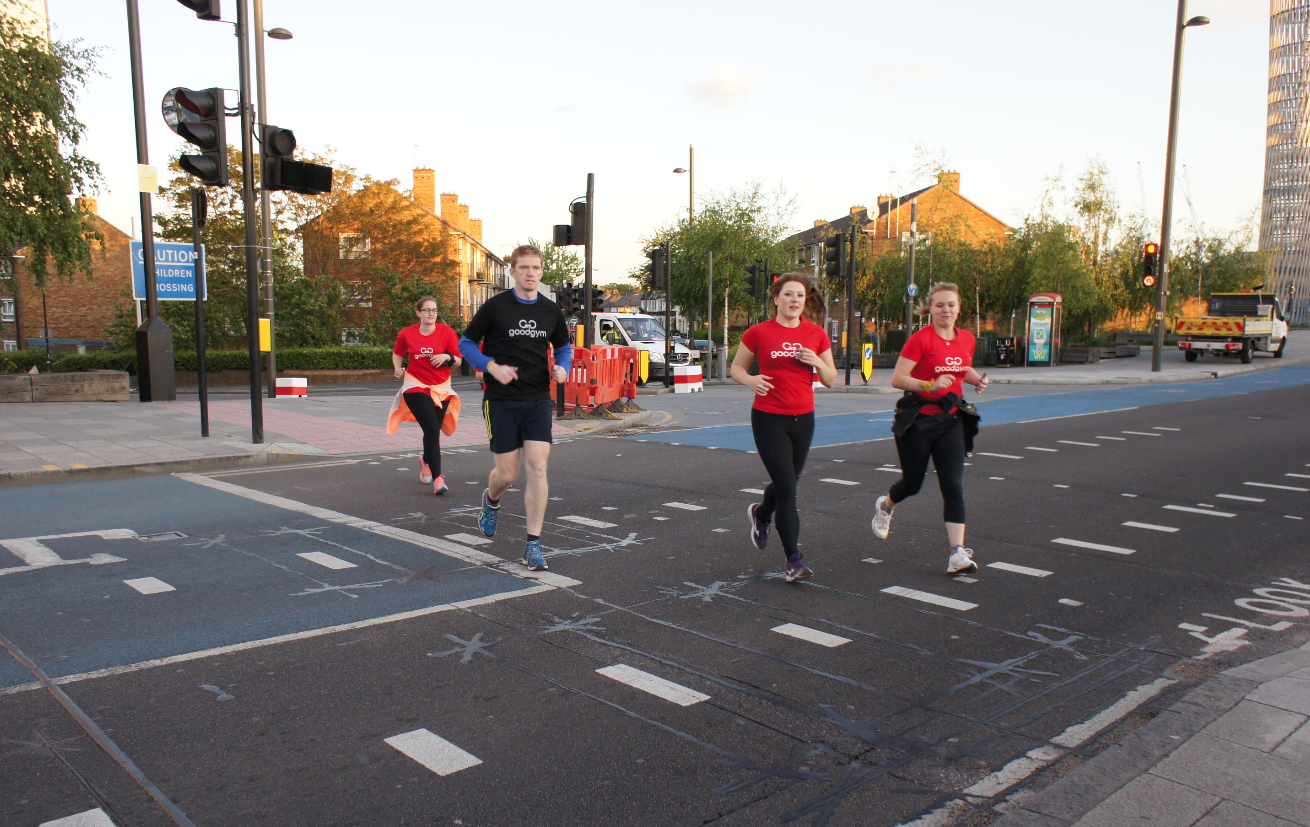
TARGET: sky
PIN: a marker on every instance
(513, 103)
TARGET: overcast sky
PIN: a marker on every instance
(513, 103)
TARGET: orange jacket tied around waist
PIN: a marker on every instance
(440, 393)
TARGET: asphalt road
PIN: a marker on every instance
(329, 644)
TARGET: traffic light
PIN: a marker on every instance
(575, 233)
(282, 172)
(655, 269)
(597, 299)
(834, 253)
(204, 9)
(753, 281)
(199, 117)
(1148, 264)
(567, 296)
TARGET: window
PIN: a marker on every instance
(355, 245)
(352, 336)
(6, 310)
(357, 294)
(11, 344)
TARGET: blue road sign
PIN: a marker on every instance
(175, 272)
(913, 290)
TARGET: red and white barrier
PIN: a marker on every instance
(688, 379)
(293, 387)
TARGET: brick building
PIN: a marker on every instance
(941, 206)
(79, 309)
(380, 229)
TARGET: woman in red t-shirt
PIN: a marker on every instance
(934, 364)
(790, 350)
(431, 349)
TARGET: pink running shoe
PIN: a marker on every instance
(424, 472)
(439, 486)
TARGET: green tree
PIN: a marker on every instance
(40, 166)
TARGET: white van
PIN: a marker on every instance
(642, 332)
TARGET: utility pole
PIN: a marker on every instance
(265, 206)
(911, 289)
(709, 312)
(852, 338)
(252, 239)
(587, 332)
(668, 314)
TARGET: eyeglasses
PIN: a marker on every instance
(428, 310)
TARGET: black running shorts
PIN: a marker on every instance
(511, 422)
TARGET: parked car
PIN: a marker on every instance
(707, 346)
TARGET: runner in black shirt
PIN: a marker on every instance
(516, 330)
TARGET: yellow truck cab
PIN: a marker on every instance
(1235, 324)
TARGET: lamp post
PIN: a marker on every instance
(265, 208)
(1157, 351)
(691, 183)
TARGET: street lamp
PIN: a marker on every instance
(691, 182)
(265, 207)
(1184, 23)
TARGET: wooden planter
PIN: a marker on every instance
(87, 386)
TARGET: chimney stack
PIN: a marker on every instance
(950, 180)
(425, 189)
(86, 205)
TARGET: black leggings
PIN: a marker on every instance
(783, 442)
(945, 444)
(429, 418)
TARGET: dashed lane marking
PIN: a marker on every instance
(655, 685)
(1164, 428)
(326, 560)
(149, 585)
(1058, 485)
(1115, 438)
(1150, 526)
(1139, 433)
(1290, 517)
(759, 491)
(684, 507)
(1047, 450)
(1001, 456)
(871, 560)
(838, 482)
(929, 597)
(1279, 487)
(1238, 497)
(811, 635)
(1020, 569)
(660, 518)
(433, 751)
(1298, 476)
(895, 470)
(1065, 541)
(1084, 444)
(1128, 495)
(1002, 479)
(468, 539)
(91, 818)
(588, 522)
(1067, 602)
(1191, 510)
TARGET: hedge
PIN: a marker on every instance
(299, 358)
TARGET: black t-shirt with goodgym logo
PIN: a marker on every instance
(519, 334)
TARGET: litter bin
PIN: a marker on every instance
(1004, 351)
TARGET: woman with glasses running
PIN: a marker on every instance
(430, 348)
(930, 420)
(790, 349)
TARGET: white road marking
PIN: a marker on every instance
(37, 555)
(1001, 456)
(811, 635)
(1057, 485)
(149, 585)
(1191, 510)
(326, 560)
(1020, 569)
(1071, 416)
(929, 597)
(1164, 428)
(686, 506)
(721, 530)
(871, 560)
(1128, 495)
(1115, 438)
(1279, 487)
(91, 818)
(660, 518)
(1067, 602)
(1084, 444)
(1243, 499)
(1204, 505)
(468, 539)
(894, 470)
(759, 491)
(997, 478)
(270, 641)
(1298, 476)
(838, 482)
(1290, 517)
(1150, 526)
(433, 751)
(1139, 433)
(1047, 450)
(959, 578)
(1064, 541)
(587, 521)
(655, 685)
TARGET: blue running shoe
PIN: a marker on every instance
(759, 528)
(796, 568)
(532, 557)
(487, 519)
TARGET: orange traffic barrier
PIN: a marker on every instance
(600, 376)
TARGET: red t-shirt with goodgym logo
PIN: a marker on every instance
(415, 347)
(777, 349)
(934, 356)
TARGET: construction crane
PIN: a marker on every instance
(1200, 233)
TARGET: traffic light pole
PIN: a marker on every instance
(851, 338)
(198, 214)
(587, 332)
(265, 206)
(156, 380)
(668, 314)
(1166, 215)
(914, 238)
(252, 239)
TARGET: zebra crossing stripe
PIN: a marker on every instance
(811, 635)
(433, 751)
(655, 685)
(929, 597)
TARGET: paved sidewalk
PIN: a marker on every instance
(1235, 752)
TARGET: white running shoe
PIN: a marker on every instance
(882, 519)
(961, 561)
(424, 472)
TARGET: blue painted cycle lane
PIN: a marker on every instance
(842, 429)
(70, 554)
